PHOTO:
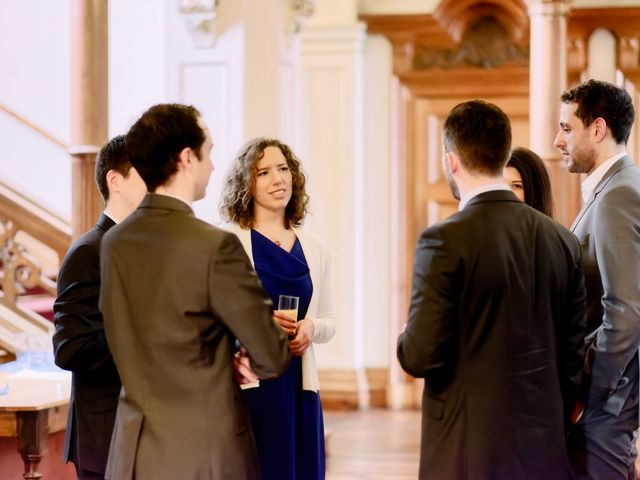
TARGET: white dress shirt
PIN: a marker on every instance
(477, 191)
(591, 182)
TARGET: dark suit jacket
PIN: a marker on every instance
(608, 227)
(496, 327)
(176, 293)
(80, 346)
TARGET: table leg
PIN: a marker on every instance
(33, 432)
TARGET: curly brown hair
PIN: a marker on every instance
(237, 197)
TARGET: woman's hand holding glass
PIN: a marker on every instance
(286, 322)
(287, 314)
(303, 337)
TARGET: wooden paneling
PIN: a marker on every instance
(351, 389)
(424, 92)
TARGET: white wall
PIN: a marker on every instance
(34, 82)
(137, 59)
(244, 83)
(213, 80)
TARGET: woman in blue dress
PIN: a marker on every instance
(265, 200)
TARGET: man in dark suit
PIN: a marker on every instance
(79, 341)
(595, 123)
(176, 294)
(496, 324)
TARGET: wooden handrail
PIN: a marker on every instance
(21, 271)
(33, 127)
(40, 223)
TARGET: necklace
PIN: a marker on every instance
(266, 233)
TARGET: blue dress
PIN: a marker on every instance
(287, 421)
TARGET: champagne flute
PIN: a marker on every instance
(288, 305)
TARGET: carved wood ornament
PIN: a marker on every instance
(490, 34)
(469, 37)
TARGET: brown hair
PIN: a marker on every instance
(157, 138)
(112, 156)
(605, 100)
(480, 134)
(237, 197)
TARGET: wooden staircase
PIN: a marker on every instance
(33, 241)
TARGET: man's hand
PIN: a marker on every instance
(242, 368)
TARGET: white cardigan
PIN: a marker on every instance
(320, 310)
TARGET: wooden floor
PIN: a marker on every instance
(376, 445)
(373, 445)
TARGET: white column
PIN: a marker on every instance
(332, 45)
(602, 55)
(548, 74)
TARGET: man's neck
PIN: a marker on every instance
(470, 183)
(268, 220)
(176, 192)
(114, 213)
(606, 154)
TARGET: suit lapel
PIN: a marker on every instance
(585, 207)
(615, 168)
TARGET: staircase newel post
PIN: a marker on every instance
(89, 106)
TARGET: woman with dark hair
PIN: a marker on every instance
(527, 176)
(265, 200)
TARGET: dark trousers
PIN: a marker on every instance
(88, 474)
(602, 446)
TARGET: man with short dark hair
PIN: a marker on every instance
(176, 293)
(79, 341)
(496, 323)
(595, 122)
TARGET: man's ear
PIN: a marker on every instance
(184, 158)
(599, 128)
(114, 180)
(453, 161)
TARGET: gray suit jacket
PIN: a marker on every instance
(176, 293)
(608, 227)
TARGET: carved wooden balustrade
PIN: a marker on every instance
(27, 232)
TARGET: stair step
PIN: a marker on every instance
(41, 304)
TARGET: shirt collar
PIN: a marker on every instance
(483, 189)
(109, 216)
(591, 182)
